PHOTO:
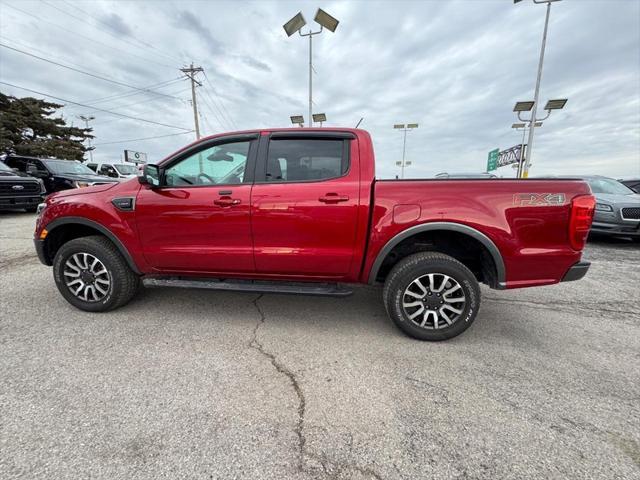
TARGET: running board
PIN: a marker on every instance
(257, 286)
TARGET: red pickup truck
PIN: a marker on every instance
(300, 211)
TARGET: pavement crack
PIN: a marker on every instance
(330, 469)
(256, 345)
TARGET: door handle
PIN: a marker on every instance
(333, 198)
(227, 202)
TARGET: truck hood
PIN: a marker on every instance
(84, 190)
(614, 198)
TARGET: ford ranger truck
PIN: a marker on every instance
(300, 211)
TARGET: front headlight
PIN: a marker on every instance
(43, 189)
(80, 184)
(603, 207)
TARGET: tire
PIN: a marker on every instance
(433, 301)
(118, 282)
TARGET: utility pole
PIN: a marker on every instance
(191, 73)
(86, 123)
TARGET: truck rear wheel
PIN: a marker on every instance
(431, 296)
(92, 275)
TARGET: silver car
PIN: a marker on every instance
(617, 208)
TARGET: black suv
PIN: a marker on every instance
(57, 174)
(17, 191)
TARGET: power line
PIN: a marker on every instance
(118, 96)
(88, 38)
(221, 102)
(84, 72)
(144, 100)
(141, 139)
(95, 108)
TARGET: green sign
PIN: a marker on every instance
(492, 159)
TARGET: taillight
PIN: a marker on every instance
(582, 208)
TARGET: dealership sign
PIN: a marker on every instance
(509, 156)
(135, 157)
(497, 158)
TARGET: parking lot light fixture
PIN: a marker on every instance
(319, 118)
(325, 20)
(295, 25)
(297, 120)
(523, 106)
(557, 104)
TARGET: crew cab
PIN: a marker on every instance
(300, 211)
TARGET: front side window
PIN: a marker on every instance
(61, 167)
(126, 169)
(300, 160)
(223, 164)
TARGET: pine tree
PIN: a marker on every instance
(28, 127)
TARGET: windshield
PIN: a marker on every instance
(608, 185)
(126, 169)
(4, 168)
(60, 167)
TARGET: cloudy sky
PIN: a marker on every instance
(454, 67)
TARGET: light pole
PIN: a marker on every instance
(538, 78)
(405, 129)
(295, 25)
(86, 123)
(523, 126)
(533, 122)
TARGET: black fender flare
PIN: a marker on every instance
(51, 226)
(446, 226)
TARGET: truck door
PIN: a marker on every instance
(198, 219)
(305, 204)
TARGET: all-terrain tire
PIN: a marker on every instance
(123, 283)
(441, 266)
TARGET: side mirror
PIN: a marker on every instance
(150, 176)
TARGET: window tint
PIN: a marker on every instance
(92, 166)
(299, 160)
(219, 165)
(18, 163)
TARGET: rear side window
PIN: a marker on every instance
(302, 160)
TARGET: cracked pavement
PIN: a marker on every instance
(216, 385)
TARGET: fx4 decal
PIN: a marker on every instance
(538, 199)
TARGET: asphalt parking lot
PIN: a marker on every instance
(210, 385)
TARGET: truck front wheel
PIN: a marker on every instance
(431, 296)
(92, 275)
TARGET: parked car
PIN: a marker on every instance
(114, 170)
(58, 174)
(617, 208)
(632, 183)
(300, 211)
(18, 191)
